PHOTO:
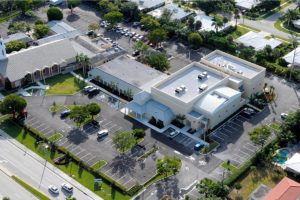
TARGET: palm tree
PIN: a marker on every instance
(236, 16)
(84, 62)
(217, 23)
(290, 16)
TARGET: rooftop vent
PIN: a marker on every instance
(202, 75)
(178, 90)
(202, 87)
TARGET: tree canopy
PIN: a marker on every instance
(290, 127)
(157, 36)
(158, 61)
(41, 30)
(123, 141)
(260, 135)
(15, 45)
(79, 114)
(150, 22)
(168, 165)
(13, 104)
(129, 9)
(113, 17)
(212, 189)
(195, 40)
(54, 13)
(93, 109)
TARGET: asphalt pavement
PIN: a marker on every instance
(19, 161)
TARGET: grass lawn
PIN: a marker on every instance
(55, 137)
(261, 175)
(57, 108)
(275, 126)
(229, 167)
(278, 26)
(32, 190)
(84, 177)
(239, 32)
(9, 16)
(64, 84)
(99, 164)
(249, 27)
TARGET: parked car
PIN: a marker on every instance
(136, 53)
(102, 133)
(86, 89)
(53, 189)
(173, 134)
(136, 24)
(65, 113)
(94, 91)
(90, 32)
(248, 112)
(198, 146)
(67, 187)
(283, 116)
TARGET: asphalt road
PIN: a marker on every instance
(19, 161)
(267, 24)
(10, 188)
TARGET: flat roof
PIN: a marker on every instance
(188, 77)
(147, 4)
(247, 4)
(207, 22)
(60, 27)
(234, 64)
(257, 40)
(177, 12)
(130, 71)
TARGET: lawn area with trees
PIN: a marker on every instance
(64, 84)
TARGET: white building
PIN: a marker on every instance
(148, 5)
(290, 57)
(177, 12)
(296, 23)
(246, 4)
(257, 40)
(207, 23)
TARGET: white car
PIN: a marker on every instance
(102, 133)
(283, 115)
(53, 189)
(67, 187)
(173, 133)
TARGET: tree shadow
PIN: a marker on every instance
(72, 17)
(76, 136)
(123, 164)
(168, 186)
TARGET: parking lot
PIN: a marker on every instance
(234, 140)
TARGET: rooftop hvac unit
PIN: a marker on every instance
(205, 73)
(201, 76)
(202, 87)
(183, 87)
(178, 90)
(240, 72)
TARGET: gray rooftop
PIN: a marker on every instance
(36, 58)
(247, 4)
(188, 77)
(232, 63)
(17, 36)
(177, 12)
(148, 4)
(60, 27)
(130, 71)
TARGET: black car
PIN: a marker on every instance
(65, 113)
(135, 53)
(93, 92)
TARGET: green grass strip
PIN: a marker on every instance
(31, 189)
(9, 16)
(99, 164)
(55, 137)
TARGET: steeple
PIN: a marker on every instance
(2, 50)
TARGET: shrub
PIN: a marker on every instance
(54, 13)
(15, 45)
(38, 21)
(41, 30)
(132, 191)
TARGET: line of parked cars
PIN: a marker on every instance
(65, 186)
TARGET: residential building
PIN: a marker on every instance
(293, 164)
(177, 13)
(207, 23)
(258, 40)
(286, 189)
(246, 4)
(148, 5)
(244, 76)
(293, 57)
(296, 23)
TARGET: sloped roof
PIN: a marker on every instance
(286, 189)
(293, 163)
(35, 58)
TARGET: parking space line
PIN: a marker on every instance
(128, 181)
(75, 148)
(114, 125)
(244, 118)
(79, 152)
(120, 128)
(227, 131)
(233, 159)
(40, 125)
(108, 170)
(234, 128)
(69, 145)
(218, 137)
(222, 134)
(87, 161)
(118, 180)
(34, 123)
(107, 141)
(243, 152)
(253, 146)
(240, 157)
(107, 123)
(85, 155)
(64, 141)
(30, 120)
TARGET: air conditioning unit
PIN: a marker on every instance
(204, 73)
(201, 76)
(178, 90)
(183, 87)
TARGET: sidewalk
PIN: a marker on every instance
(51, 167)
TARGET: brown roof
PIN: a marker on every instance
(286, 189)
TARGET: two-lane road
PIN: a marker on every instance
(21, 162)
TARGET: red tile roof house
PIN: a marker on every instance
(286, 189)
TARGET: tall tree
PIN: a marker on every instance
(83, 61)
(141, 47)
(79, 114)
(211, 188)
(73, 4)
(13, 104)
(168, 165)
(236, 16)
(157, 36)
(123, 141)
(195, 40)
(54, 13)
(113, 17)
(217, 23)
(150, 22)
(260, 135)
(93, 108)
(198, 25)
(158, 61)
(130, 10)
